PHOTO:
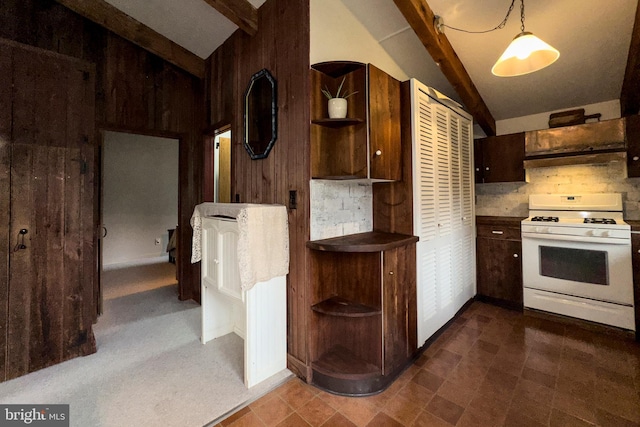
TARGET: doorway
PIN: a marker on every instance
(139, 212)
(217, 169)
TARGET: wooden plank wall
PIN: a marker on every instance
(282, 46)
(135, 92)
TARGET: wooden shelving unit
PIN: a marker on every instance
(363, 291)
(337, 123)
(366, 144)
(336, 306)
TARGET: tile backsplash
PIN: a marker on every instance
(339, 208)
(512, 199)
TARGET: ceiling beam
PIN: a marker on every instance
(240, 12)
(630, 94)
(420, 17)
(111, 18)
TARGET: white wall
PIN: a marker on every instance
(337, 35)
(512, 199)
(140, 196)
(608, 109)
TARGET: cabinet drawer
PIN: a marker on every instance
(499, 232)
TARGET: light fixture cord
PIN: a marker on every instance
(497, 27)
(521, 15)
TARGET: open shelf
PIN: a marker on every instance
(337, 69)
(371, 241)
(337, 306)
(339, 362)
(337, 123)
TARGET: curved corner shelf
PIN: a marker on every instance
(371, 241)
(337, 123)
(342, 307)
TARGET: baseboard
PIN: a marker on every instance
(444, 327)
(500, 302)
(136, 262)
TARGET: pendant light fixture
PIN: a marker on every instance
(526, 54)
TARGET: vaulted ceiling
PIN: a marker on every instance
(593, 38)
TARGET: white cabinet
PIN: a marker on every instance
(443, 206)
(258, 315)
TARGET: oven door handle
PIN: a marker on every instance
(581, 239)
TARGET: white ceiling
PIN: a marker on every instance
(592, 36)
(193, 24)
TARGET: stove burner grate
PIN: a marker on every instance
(599, 221)
(545, 218)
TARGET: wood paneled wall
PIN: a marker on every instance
(282, 46)
(135, 92)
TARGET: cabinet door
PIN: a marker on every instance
(503, 157)
(477, 161)
(227, 248)
(399, 310)
(500, 270)
(633, 146)
(384, 126)
(220, 256)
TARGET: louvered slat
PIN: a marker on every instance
(443, 210)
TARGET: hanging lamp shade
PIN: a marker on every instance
(526, 54)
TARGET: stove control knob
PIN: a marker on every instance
(604, 233)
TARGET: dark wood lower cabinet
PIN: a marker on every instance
(499, 261)
(364, 318)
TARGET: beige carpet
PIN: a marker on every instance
(135, 279)
(150, 368)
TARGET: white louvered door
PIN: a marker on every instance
(443, 210)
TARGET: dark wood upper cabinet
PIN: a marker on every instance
(365, 144)
(633, 146)
(500, 158)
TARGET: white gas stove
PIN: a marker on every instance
(576, 258)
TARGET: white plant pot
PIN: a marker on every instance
(337, 108)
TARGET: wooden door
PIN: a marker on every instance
(503, 158)
(224, 171)
(47, 290)
(633, 146)
(384, 126)
(443, 211)
(500, 271)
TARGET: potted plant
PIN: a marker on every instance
(337, 104)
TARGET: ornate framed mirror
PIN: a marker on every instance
(260, 115)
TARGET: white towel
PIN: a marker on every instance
(263, 241)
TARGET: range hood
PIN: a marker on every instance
(591, 143)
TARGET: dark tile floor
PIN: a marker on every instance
(491, 367)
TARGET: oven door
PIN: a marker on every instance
(594, 268)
